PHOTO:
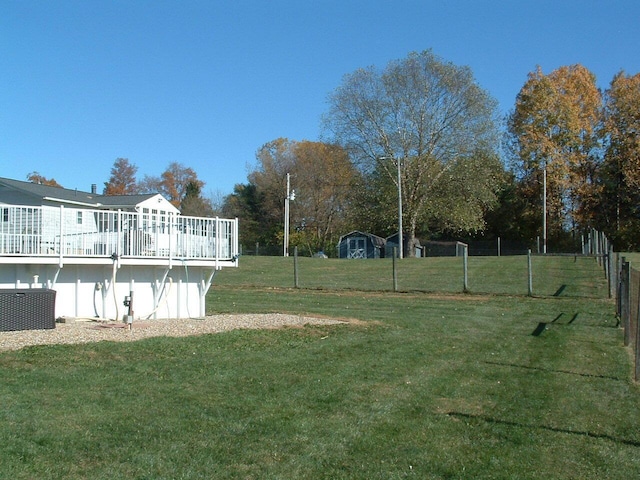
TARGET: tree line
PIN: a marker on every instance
(422, 128)
(421, 135)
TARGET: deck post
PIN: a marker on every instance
(118, 228)
(61, 246)
(217, 240)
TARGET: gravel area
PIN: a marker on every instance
(90, 331)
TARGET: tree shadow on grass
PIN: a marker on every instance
(582, 433)
(549, 370)
(542, 326)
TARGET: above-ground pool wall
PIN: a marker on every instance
(87, 291)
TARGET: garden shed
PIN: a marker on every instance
(392, 242)
(361, 245)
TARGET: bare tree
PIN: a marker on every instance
(414, 122)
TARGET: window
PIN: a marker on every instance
(145, 219)
(79, 218)
(154, 219)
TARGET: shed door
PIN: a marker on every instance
(356, 247)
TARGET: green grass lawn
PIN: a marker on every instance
(416, 385)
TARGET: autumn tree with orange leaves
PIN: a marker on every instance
(123, 178)
(554, 127)
(617, 207)
(322, 176)
(173, 183)
(35, 177)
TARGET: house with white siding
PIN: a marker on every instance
(94, 250)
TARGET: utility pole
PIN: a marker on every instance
(544, 209)
(400, 236)
(291, 195)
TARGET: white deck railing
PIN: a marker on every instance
(61, 232)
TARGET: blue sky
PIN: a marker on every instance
(207, 83)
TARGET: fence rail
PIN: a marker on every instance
(59, 231)
(577, 276)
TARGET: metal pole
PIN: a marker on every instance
(544, 209)
(286, 220)
(400, 236)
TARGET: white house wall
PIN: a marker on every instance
(160, 204)
(87, 291)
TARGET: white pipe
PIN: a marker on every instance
(186, 272)
(113, 288)
(166, 297)
(203, 293)
(55, 277)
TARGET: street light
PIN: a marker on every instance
(400, 236)
(291, 195)
(544, 209)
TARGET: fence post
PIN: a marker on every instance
(625, 297)
(610, 270)
(617, 267)
(395, 269)
(637, 339)
(295, 267)
(465, 266)
(498, 246)
(600, 246)
(530, 273)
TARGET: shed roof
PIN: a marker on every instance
(376, 240)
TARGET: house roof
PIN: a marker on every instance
(376, 240)
(74, 197)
